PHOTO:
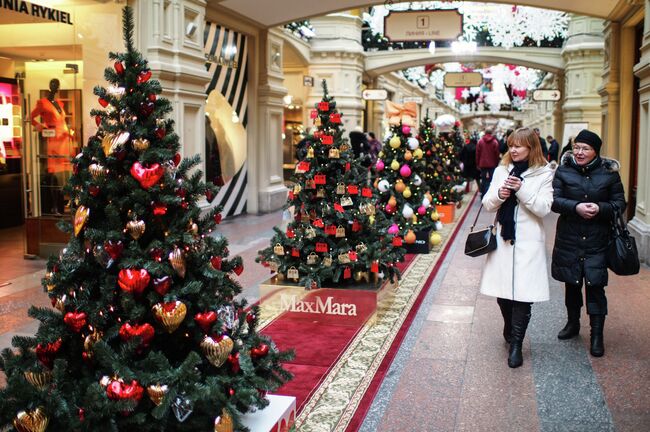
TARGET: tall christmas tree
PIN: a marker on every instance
(336, 234)
(443, 174)
(146, 333)
(404, 195)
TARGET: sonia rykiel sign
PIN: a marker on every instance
(37, 11)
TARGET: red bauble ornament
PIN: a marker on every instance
(209, 195)
(260, 351)
(133, 280)
(82, 414)
(144, 77)
(103, 102)
(217, 218)
(114, 248)
(233, 359)
(215, 262)
(120, 391)
(160, 209)
(144, 331)
(149, 176)
(162, 284)
(119, 67)
(238, 269)
(98, 120)
(160, 134)
(185, 205)
(93, 190)
(152, 97)
(75, 320)
(205, 320)
(47, 352)
(181, 192)
(231, 392)
(250, 318)
(156, 254)
(291, 233)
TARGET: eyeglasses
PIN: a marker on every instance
(579, 149)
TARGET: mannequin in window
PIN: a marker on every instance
(56, 137)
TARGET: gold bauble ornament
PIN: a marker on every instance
(97, 171)
(392, 201)
(399, 186)
(136, 228)
(417, 153)
(380, 154)
(31, 420)
(371, 219)
(157, 393)
(107, 143)
(394, 165)
(48, 281)
(80, 218)
(177, 260)
(170, 315)
(435, 216)
(59, 303)
(407, 192)
(140, 144)
(193, 228)
(224, 422)
(395, 142)
(217, 351)
(408, 155)
(435, 239)
(40, 380)
(409, 238)
(91, 340)
(310, 153)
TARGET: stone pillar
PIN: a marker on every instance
(583, 54)
(377, 111)
(610, 91)
(265, 157)
(338, 57)
(558, 114)
(640, 225)
(170, 35)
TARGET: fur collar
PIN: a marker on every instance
(609, 164)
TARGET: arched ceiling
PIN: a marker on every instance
(284, 11)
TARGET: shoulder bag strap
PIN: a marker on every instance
(494, 223)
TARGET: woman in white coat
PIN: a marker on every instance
(515, 273)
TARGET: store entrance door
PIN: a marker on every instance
(11, 153)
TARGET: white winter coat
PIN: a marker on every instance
(518, 272)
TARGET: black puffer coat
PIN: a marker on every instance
(581, 244)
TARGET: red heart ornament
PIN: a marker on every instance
(144, 77)
(93, 190)
(133, 280)
(205, 320)
(75, 320)
(217, 218)
(146, 108)
(147, 177)
(120, 391)
(114, 248)
(160, 209)
(215, 262)
(176, 159)
(238, 269)
(160, 133)
(162, 285)
(144, 331)
(98, 120)
(119, 67)
(47, 352)
(103, 102)
(233, 359)
(209, 195)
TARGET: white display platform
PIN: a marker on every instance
(279, 416)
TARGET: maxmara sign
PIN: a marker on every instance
(327, 306)
(32, 10)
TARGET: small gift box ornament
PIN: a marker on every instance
(318, 223)
(335, 118)
(321, 247)
(363, 209)
(324, 106)
(365, 192)
(295, 252)
(302, 167)
(327, 140)
(296, 188)
(353, 189)
(291, 233)
(278, 249)
(320, 179)
(310, 184)
(320, 193)
(361, 248)
(346, 201)
(313, 114)
(340, 231)
(344, 258)
(327, 261)
(318, 122)
(334, 153)
(330, 230)
(312, 258)
(356, 226)
(310, 153)
(374, 267)
(292, 273)
(340, 189)
(347, 273)
(310, 233)
(344, 147)
(370, 209)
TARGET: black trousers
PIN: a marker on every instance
(596, 300)
(486, 179)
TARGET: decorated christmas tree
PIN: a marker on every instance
(443, 174)
(404, 195)
(146, 332)
(336, 234)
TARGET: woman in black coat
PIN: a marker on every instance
(586, 189)
(468, 158)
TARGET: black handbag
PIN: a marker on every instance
(622, 255)
(482, 241)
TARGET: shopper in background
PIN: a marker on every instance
(487, 158)
(374, 147)
(359, 143)
(516, 272)
(542, 143)
(467, 156)
(586, 189)
(567, 147)
(553, 149)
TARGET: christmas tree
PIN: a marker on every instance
(336, 234)
(443, 174)
(404, 196)
(147, 333)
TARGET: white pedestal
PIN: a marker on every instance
(279, 416)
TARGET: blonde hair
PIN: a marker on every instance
(527, 138)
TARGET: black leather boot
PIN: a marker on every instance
(520, 319)
(597, 344)
(506, 312)
(572, 327)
